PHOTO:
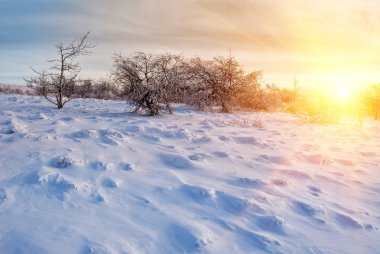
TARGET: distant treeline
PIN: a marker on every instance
(16, 89)
(151, 83)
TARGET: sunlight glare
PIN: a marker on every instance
(343, 93)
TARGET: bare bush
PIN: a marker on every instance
(371, 99)
(99, 89)
(148, 81)
(58, 84)
(251, 95)
(219, 82)
(84, 88)
(273, 99)
(105, 89)
(172, 77)
(15, 89)
(136, 74)
(197, 91)
(152, 82)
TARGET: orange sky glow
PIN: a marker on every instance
(325, 43)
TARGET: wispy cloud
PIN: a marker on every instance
(284, 36)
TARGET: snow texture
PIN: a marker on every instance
(93, 178)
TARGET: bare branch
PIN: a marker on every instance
(58, 85)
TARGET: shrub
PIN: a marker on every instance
(148, 81)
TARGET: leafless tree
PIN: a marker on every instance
(58, 83)
(105, 89)
(220, 78)
(230, 79)
(84, 88)
(150, 80)
(172, 77)
(286, 95)
(274, 95)
(252, 93)
(372, 100)
(136, 74)
(199, 88)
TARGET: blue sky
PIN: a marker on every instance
(28, 31)
(24, 22)
(320, 41)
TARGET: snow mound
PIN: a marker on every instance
(3, 195)
(62, 162)
(87, 133)
(109, 183)
(99, 165)
(175, 161)
(56, 185)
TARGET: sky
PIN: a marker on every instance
(323, 42)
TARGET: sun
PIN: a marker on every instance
(343, 93)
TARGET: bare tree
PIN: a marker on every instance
(150, 80)
(274, 95)
(84, 88)
(372, 100)
(230, 79)
(57, 84)
(199, 89)
(222, 78)
(286, 95)
(136, 76)
(105, 89)
(171, 74)
(250, 95)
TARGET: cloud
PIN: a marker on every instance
(278, 36)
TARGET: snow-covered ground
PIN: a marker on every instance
(93, 178)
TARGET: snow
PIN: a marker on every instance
(93, 178)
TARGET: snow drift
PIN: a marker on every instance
(93, 178)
